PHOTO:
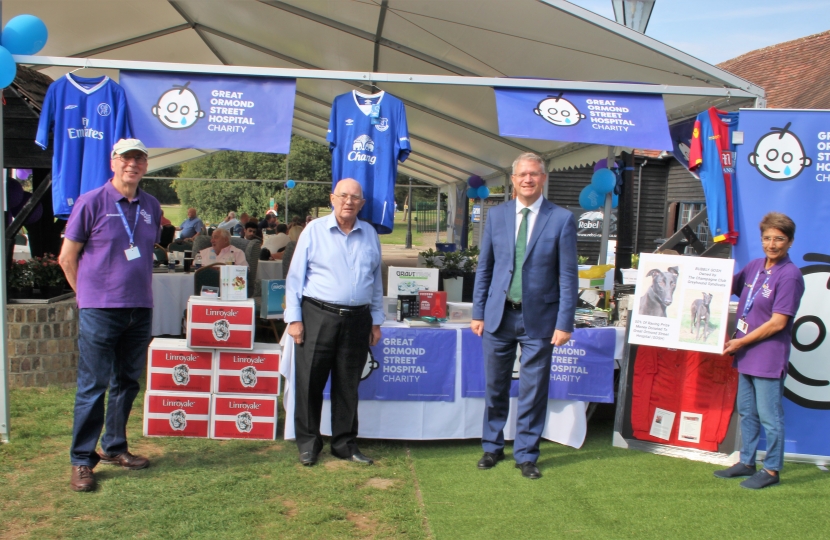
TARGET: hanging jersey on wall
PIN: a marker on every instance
(87, 116)
(713, 156)
(367, 137)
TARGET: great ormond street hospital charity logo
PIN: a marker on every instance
(559, 111)
(248, 376)
(178, 108)
(178, 420)
(779, 155)
(181, 375)
(221, 330)
(244, 422)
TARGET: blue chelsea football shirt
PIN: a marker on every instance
(369, 152)
(88, 116)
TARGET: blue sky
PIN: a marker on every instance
(719, 30)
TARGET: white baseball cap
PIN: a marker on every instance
(125, 145)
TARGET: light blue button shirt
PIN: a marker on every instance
(335, 267)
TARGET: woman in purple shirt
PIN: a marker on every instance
(770, 291)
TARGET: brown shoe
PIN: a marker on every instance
(126, 460)
(82, 478)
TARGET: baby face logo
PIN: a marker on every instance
(559, 111)
(371, 365)
(248, 376)
(244, 422)
(178, 420)
(779, 155)
(181, 375)
(178, 108)
(221, 330)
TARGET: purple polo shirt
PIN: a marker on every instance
(782, 294)
(106, 279)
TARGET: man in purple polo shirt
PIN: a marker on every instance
(107, 257)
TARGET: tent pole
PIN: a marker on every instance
(606, 217)
(4, 373)
(438, 215)
(409, 217)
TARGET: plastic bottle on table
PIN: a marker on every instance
(197, 262)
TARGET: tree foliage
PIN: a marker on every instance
(213, 200)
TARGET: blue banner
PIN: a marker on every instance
(178, 110)
(472, 368)
(784, 166)
(583, 368)
(637, 120)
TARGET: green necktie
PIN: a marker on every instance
(515, 292)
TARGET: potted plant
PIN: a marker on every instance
(48, 276)
(427, 258)
(20, 280)
(453, 275)
(470, 257)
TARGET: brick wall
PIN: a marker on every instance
(42, 343)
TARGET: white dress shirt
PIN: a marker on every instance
(531, 216)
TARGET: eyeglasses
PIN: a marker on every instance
(530, 174)
(345, 197)
(141, 160)
(774, 239)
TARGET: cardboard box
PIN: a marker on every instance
(433, 304)
(390, 307)
(411, 280)
(216, 324)
(248, 372)
(273, 298)
(243, 417)
(233, 283)
(176, 414)
(172, 367)
(459, 312)
(605, 283)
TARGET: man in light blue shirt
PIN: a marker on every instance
(334, 309)
(191, 226)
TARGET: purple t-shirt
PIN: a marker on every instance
(106, 279)
(781, 294)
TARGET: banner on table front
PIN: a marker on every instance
(409, 365)
(186, 110)
(582, 370)
(637, 120)
(784, 166)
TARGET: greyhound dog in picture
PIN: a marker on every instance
(701, 315)
(661, 293)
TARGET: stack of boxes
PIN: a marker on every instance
(217, 383)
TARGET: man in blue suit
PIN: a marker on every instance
(525, 293)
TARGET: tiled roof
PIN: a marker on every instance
(794, 74)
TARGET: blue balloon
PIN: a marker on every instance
(615, 200)
(8, 69)
(290, 184)
(24, 34)
(472, 193)
(589, 199)
(603, 181)
(483, 192)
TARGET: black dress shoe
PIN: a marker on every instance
(357, 457)
(489, 460)
(529, 470)
(309, 458)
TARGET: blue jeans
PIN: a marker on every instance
(759, 404)
(113, 345)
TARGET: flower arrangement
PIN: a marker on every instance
(20, 275)
(47, 272)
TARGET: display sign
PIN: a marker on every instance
(187, 110)
(273, 298)
(589, 224)
(682, 302)
(476, 215)
(784, 165)
(636, 120)
(408, 281)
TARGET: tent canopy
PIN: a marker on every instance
(453, 127)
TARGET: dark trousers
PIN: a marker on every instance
(113, 350)
(534, 382)
(336, 345)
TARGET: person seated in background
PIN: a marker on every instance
(288, 253)
(308, 219)
(296, 220)
(221, 250)
(164, 220)
(239, 229)
(276, 242)
(191, 226)
(229, 222)
(252, 231)
(268, 222)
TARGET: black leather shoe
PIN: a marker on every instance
(309, 458)
(489, 460)
(357, 457)
(529, 470)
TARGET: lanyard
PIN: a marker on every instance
(754, 292)
(130, 233)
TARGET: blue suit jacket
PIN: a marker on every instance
(550, 283)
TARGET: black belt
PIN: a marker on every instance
(343, 311)
(516, 306)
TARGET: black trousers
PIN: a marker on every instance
(336, 345)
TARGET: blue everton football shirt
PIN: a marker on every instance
(88, 116)
(368, 150)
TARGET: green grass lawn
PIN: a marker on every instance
(245, 489)
(176, 213)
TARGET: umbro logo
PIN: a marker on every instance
(349, 122)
